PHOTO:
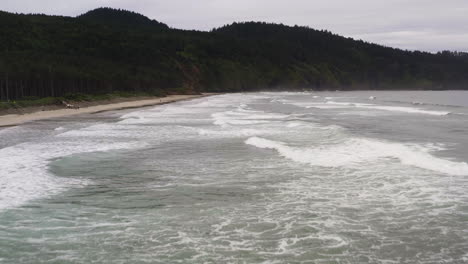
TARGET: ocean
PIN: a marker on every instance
(271, 177)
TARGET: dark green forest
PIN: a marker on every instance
(108, 50)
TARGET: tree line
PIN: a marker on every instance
(107, 50)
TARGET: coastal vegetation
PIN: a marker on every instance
(33, 101)
(108, 51)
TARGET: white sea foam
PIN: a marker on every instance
(179, 111)
(244, 117)
(294, 124)
(222, 121)
(318, 105)
(342, 105)
(411, 110)
(311, 125)
(349, 104)
(407, 110)
(324, 106)
(149, 116)
(24, 169)
(158, 116)
(234, 133)
(347, 205)
(105, 131)
(356, 151)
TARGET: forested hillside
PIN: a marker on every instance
(108, 50)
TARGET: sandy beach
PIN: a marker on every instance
(16, 119)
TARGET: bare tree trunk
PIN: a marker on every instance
(6, 88)
(52, 92)
(1, 90)
(14, 91)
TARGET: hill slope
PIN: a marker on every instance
(121, 18)
(109, 50)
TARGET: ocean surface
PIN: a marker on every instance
(313, 177)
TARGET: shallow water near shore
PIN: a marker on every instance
(324, 177)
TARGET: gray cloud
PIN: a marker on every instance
(430, 25)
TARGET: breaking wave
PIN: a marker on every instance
(356, 151)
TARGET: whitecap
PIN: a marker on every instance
(410, 110)
(234, 133)
(244, 117)
(24, 174)
(356, 151)
(24, 170)
(341, 105)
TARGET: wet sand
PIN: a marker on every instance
(16, 119)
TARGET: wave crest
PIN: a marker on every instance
(358, 151)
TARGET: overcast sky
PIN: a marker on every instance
(430, 25)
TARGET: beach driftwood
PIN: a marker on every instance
(70, 106)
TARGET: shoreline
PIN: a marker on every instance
(18, 119)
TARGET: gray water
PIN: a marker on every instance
(331, 177)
